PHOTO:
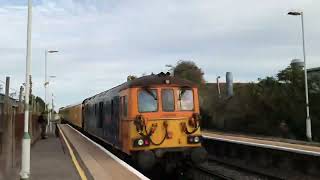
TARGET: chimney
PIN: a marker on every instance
(229, 84)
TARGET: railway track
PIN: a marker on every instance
(263, 162)
(203, 173)
(227, 172)
(232, 171)
(198, 172)
(222, 172)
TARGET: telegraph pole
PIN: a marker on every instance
(25, 160)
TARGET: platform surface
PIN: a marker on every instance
(50, 161)
(100, 164)
(247, 140)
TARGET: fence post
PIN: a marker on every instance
(13, 137)
(7, 129)
(20, 110)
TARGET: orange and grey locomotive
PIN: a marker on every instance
(153, 118)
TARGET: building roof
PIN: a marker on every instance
(12, 100)
(316, 69)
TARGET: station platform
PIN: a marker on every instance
(73, 156)
(92, 161)
(300, 147)
(50, 161)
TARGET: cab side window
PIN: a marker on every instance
(100, 115)
(124, 106)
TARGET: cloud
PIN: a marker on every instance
(101, 42)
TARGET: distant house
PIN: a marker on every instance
(14, 102)
(314, 72)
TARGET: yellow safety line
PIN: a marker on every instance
(74, 159)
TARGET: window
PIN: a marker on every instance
(185, 99)
(167, 100)
(100, 116)
(125, 106)
(147, 100)
(112, 109)
(108, 109)
(87, 110)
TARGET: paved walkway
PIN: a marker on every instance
(100, 163)
(50, 161)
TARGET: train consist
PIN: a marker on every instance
(153, 119)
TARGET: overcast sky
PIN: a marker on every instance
(100, 42)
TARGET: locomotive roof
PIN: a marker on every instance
(71, 105)
(156, 80)
(146, 81)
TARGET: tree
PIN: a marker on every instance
(132, 77)
(282, 100)
(190, 71)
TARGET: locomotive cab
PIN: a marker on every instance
(166, 124)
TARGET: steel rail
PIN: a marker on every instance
(244, 170)
(212, 173)
(294, 150)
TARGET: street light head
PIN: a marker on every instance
(52, 51)
(294, 13)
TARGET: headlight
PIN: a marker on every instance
(140, 142)
(196, 139)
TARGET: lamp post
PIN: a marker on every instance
(46, 71)
(46, 82)
(25, 159)
(49, 124)
(52, 117)
(308, 119)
